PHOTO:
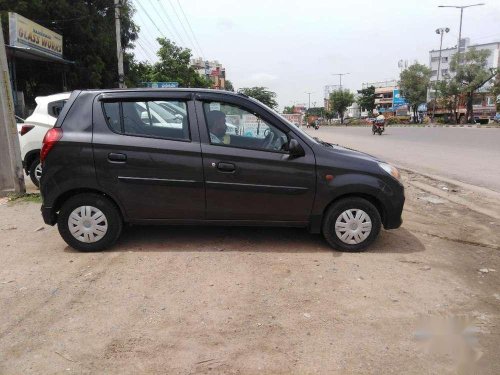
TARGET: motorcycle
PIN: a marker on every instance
(378, 127)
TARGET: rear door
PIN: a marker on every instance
(147, 152)
(249, 176)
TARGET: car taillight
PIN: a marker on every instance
(26, 128)
(50, 139)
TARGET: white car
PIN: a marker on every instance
(32, 131)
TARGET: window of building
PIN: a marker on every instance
(444, 72)
(157, 119)
(444, 59)
(234, 126)
(434, 59)
(490, 101)
(477, 101)
(434, 73)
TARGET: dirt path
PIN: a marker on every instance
(249, 300)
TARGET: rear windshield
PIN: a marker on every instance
(54, 108)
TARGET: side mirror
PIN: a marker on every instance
(295, 149)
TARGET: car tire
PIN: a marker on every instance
(35, 171)
(89, 222)
(351, 224)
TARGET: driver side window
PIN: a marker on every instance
(234, 126)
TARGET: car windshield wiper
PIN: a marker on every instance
(326, 144)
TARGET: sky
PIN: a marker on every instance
(294, 47)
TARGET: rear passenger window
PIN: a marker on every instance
(159, 119)
(112, 113)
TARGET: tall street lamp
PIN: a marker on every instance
(441, 31)
(309, 93)
(461, 7)
(340, 77)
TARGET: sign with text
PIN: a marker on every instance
(397, 99)
(161, 85)
(26, 33)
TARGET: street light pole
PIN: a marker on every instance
(309, 93)
(461, 7)
(340, 77)
(440, 31)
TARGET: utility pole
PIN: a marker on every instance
(340, 77)
(11, 169)
(461, 7)
(440, 31)
(309, 93)
(119, 50)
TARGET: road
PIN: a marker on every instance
(469, 155)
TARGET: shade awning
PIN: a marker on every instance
(33, 54)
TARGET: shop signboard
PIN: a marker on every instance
(28, 34)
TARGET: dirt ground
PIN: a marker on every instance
(424, 299)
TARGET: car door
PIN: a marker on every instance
(246, 181)
(149, 161)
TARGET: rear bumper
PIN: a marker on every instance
(49, 216)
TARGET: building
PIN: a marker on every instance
(447, 53)
(483, 103)
(388, 99)
(213, 70)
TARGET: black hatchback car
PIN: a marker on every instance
(188, 156)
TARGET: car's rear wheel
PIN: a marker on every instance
(35, 171)
(351, 224)
(89, 222)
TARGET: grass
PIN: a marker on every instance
(26, 197)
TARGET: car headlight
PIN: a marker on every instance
(393, 171)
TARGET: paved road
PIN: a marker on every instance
(468, 155)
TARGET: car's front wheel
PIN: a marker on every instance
(351, 224)
(89, 222)
(35, 171)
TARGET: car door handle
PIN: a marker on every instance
(117, 157)
(226, 167)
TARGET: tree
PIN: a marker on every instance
(262, 94)
(414, 82)
(471, 74)
(173, 66)
(495, 90)
(315, 111)
(88, 30)
(289, 110)
(366, 99)
(340, 100)
(448, 96)
(229, 85)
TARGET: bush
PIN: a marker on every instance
(397, 120)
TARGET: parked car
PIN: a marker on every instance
(33, 129)
(105, 165)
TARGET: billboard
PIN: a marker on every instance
(26, 33)
(397, 99)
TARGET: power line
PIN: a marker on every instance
(172, 24)
(190, 28)
(149, 17)
(147, 53)
(182, 25)
(162, 20)
(151, 45)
